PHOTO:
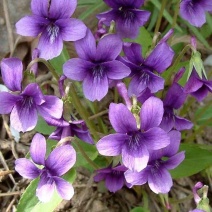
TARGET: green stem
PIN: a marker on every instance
(82, 111)
(176, 14)
(98, 114)
(174, 66)
(47, 64)
(160, 17)
(86, 156)
(203, 110)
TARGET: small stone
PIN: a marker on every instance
(2, 21)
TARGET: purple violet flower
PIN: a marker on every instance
(72, 128)
(54, 23)
(174, 99)
(113, 176)
(143, 75)
(24, 105)
(198, 87)
(194, 11)
(96, 65)
(156, 172)
(129, 141)
(127, 16)
(60, 160)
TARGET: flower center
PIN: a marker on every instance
(27, 101)
(134, 140)
(127, 15)
(53, 31)
(98, 71)
(155, 166)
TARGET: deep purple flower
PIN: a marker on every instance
(54, 23)
(129, 141)
(113, 176)
(96, 65)
(60, 160)
(143, 75)
(71, 129)
(174, 99)
(24, 105)
(127, 16)
(156, 172)
(198, 87)
(194, 11)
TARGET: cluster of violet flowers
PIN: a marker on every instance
(147, 128)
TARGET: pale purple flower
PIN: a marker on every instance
(174, 99)
(73, 128)
(131, 142)
(52, 20)
(156, 173)
(194, 11)
(60, 161)
(113, 177)
(198, 87)
(24, 105)
(96, 65)
(127, 16)
(143, 75)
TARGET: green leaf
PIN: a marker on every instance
(89, 149)
(197, 34)
(139, 209)
(90, 10)
(196, 159)
(203, 114)
(166, 15)
(144, 39)
(43, 128)
(30, 203)
(58, 62)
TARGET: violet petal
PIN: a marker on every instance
(109, 47)
(38, 149)
(175, 96)
(26, 168)
(182, 124)
(114, 182)
(160, 58)
(71, 29)
(40, 7)
(7, 102)
(64, 188)
(193, 12)
(31, 25)
(77, 69)
(20, 114)
(53, 106)
(61, 159)
(95, 86)
(12, 73)
(45, 189)
(33, 90)
(50, 44)
(156, 138)
(86, 47)
(174, 161)
(111, 145)
(60, 9)
(116, 70)
(151, 113)
(160, 181)
(135, 157)
(121, 118)
(137, 178)
(133, 53)
(173, 147)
